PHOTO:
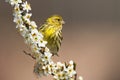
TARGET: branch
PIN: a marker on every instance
(28, 29)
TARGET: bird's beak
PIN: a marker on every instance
(63, 22)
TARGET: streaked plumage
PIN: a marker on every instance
(51, 31)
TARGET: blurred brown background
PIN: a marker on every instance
(91, 38)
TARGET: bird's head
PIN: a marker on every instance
(55, 20)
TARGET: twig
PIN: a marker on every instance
(29, 54)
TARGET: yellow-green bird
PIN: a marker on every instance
(52, 33)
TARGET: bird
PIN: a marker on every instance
(52, 32)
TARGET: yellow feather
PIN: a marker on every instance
(51, 31)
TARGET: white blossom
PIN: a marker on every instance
(33, 24)
(70, 71)
(17, 10)
(59, 76)
(35, 49)
(26, 6)
(46, 57)
(14, 2)
(18, 21)
(27, 17)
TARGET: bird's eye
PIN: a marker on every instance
(58, 19)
